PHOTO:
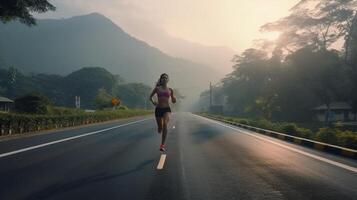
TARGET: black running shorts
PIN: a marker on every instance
(159, 112)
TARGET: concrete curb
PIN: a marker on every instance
(346, 152)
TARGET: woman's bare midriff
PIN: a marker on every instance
(163, 102)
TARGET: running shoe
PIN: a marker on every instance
(162, 148)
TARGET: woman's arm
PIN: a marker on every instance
(173, 98)
(151, 95)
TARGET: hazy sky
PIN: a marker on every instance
(230, 23)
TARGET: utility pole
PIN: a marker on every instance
(210, 96)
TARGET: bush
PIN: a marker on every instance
(305, 133)
(290, 129)
(22, 123)
(263, 123)
(103, 99)
(348, 139)
(51, 110)
(122, 108)
(335, 136)
(327, 135)
(33, 103)
(242, 121)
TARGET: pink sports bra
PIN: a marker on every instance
(166, 93)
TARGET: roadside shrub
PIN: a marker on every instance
(122, 108)
(305, 133)
(33, 103)
(348, 139)
(51, 110)
(22, 123)
(335, 136)
(263, 123)
(338, 137)
(294, 130)
(243, 121)
(230, 118)
(328, 135)
(290, 129)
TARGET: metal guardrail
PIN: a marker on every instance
(346, 152)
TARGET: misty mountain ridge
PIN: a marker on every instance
(61, 46)
(217, 57)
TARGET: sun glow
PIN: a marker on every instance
(271, 36)
(231, 23)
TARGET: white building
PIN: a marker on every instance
(339, 111)
(5, 104)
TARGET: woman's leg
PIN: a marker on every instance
(159, 121)
(165, 125)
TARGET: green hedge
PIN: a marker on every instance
(333, 136)
(21, 123)
(337, 137)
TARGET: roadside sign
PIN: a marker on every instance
(115, 101)
(78, 102)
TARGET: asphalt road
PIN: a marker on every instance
(204, 160)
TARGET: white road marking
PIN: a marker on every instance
(67, 139)
(337, 164)
(161, 162)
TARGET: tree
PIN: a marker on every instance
(351, 62)
(11, 80)
(22, 9)
(294, 99)
(86, 82)
(284, 89)
(319, 71)
(134, 95)
(15, 83)
(103, 99)
(317, 23)
(33, 103)
(50, 86)
(253, 72)
(265, 105)
(301, 71)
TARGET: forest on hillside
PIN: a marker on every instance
(90, 83)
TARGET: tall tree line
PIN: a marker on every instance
(301, 69)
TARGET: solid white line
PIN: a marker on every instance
(67, 139)
(161, 162)
(347, 167)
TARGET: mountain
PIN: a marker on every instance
(62, 46)
(216, 57)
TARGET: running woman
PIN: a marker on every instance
(162, 110)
